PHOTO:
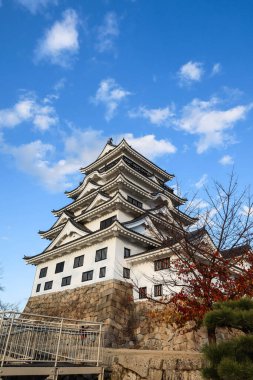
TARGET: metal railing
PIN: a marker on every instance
(35, 339)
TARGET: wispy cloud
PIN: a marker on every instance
(35, 6)
(216, 69)
(157, 116)
(210, 121)
(202, 181)
(29, 109)
(60, 43)
(190, 72)
(226, 160)
(143, 144)
(110, 94)
(107, 33)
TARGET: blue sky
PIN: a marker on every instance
(174, 77)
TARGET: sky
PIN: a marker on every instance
(174, 77)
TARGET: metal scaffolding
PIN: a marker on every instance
(42, 345)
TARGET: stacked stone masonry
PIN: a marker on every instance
(127, 324)
(155, 365)
(106, 302)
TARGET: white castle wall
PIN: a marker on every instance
(76, 273)
(114, 266)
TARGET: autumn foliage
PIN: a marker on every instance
(215, 262)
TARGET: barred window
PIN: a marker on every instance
(127, 252)
(107, 222)
(102, 272)
(162, 264)
(134, 202)
(38, 288)
(48, 285)
(158, 290)
(43, 272)
(78, 261)
(87, 276)
(66, 281)
(101, 254)
(126, 272)
(59, 267)
(143, 292)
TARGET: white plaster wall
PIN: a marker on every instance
(76, 273)
(144, 275)
(120, 261)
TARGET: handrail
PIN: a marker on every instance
(39, 338)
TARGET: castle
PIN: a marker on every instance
(109, 241)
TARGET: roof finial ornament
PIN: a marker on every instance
(110, 141)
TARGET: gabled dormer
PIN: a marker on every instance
(56, 227)
(98, 200)
(88, 188)
(71, 231)
(144, 226)
(108, 148)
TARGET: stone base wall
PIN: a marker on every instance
(155, 365)
(108, 302)
(127, 324)
(152, 334)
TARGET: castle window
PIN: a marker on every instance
(102, 272)
(43, 272)
(134, 202)
(162, 264)
(158, 290)
(143, 292)
(78, 261)
(48, 285)
(101, 254)
(87, 276)
(126, 273)
(59, 267)
(127, 252)
(66, 281)
(38, 288)
(107, 222)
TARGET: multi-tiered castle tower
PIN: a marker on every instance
(111, 233)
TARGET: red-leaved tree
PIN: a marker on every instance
(213, 262)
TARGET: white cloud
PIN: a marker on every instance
(110, 94)
(38, 159)
(216, 69)
(107, 33)
(157, 116)
(60, 43)
(29, 109)
(80, 148)
(226, 160)
(208, 120)
(202, 181)
(35, 6)
(149, 146)
(190, 72)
